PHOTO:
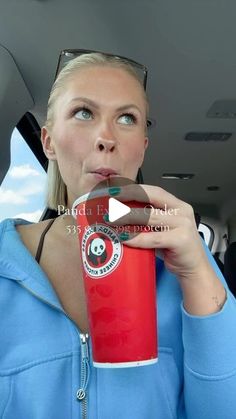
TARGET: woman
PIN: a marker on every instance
(97, 119)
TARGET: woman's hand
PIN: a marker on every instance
(177, 238)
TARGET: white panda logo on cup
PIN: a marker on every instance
(101, 250)
(97, 251)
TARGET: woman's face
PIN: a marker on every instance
(99, 123)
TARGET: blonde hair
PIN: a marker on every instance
(56, 188)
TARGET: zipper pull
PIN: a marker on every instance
(85, 370)
(84, 337)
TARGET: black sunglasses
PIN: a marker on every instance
(68, 54)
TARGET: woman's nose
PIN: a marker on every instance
(104, 144)
(105, 140)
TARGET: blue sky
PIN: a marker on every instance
(23, 189)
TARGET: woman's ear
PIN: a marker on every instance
(146, 141)
(47, 144)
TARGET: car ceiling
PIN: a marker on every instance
(189, 49)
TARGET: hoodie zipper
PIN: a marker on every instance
(85, 372)
(81, 394)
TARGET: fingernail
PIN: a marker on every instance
(114, 191)
(106, 217)
(124, 236)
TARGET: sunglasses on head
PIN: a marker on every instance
(69, 54)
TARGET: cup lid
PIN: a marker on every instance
(90, 195)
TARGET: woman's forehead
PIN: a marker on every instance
(103, 71)
(103, 82)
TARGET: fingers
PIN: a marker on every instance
(171, 240)
(152, 240)
(155, 218)
(157, 196)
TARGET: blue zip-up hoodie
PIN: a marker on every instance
(45, 365)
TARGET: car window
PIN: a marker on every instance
(23, 188)
(207, 234)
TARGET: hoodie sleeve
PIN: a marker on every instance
(210, 360)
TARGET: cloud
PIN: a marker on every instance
(31, 189)
(9, 196)
(30, 216)
(25, 170)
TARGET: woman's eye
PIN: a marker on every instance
(83, 114)
(127, 118)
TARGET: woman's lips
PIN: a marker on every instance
(100, 177)
(101, 173)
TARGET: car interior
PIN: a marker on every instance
(188, 49)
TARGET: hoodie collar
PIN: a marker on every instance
(18, 264)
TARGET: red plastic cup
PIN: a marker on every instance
(120, 287)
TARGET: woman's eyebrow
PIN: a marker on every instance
(95, 105)
(128, 106)
(85, 100)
